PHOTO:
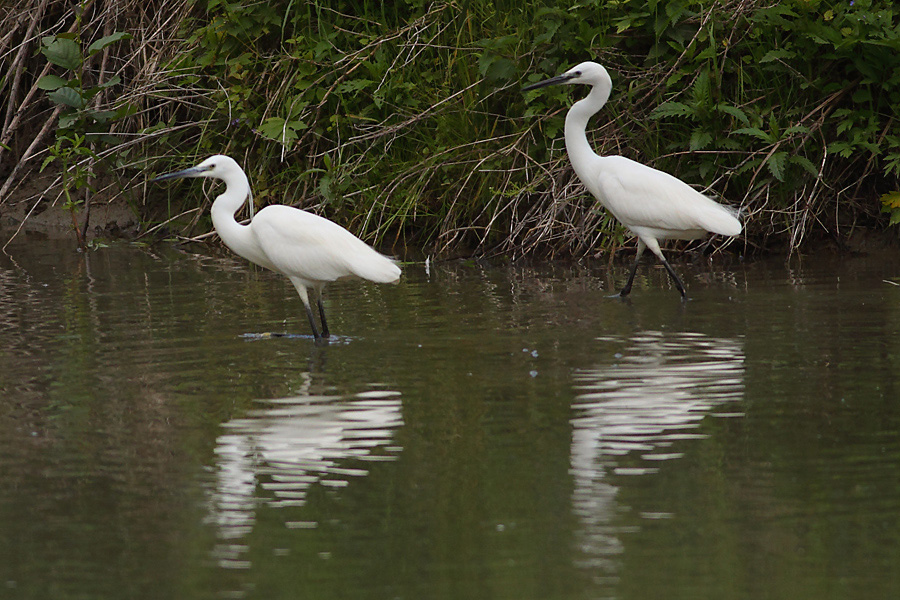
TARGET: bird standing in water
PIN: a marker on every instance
(306, 248)
(652, 204)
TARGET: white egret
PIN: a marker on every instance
(652, 204)
(306, 248)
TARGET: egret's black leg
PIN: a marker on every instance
(312, 322)
(322, 317)
(674, 277)
(627, 289)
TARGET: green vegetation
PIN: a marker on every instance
(72, 148)
(405, 122)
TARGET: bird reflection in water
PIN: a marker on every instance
(275, 454)
(636, 411)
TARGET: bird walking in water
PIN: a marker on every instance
(306, 248)
(650, 203)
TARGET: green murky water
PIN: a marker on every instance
(506, 433)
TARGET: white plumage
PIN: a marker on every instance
(306, 248)
(652, 204)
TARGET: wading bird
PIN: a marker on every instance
(653, 205)
(306, 248)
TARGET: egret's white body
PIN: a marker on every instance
(652, 204)
(306, 248)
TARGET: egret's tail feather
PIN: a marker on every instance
(378, 268)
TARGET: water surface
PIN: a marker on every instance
(473, 432)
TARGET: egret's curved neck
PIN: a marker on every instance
(236, 236)
(577, 146)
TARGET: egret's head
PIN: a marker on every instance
(588, 73)
(218, 167)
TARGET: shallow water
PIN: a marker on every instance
(472, 432)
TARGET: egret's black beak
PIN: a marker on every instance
(552, 81)
(192, 172)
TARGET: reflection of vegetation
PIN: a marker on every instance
(404, 119)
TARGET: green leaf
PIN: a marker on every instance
(272, 128)
(622, 24)
(114, 80)
(62, 52)
(701, 89)
(51, 82)
(279, 130)
(700, 140)
(354, 85)
(895, 217)
(773, 55)
(891, 199)
(91, 92)
(735, 112)
(497, 69)
(67, 121)
(707, 53)
(102, 116)
(755, 132)
(806, 164)
(671, 109)
(66, 96)
(842, 149)
(106, 41)
(862, 96)
(675, 78)
(325, 187)
(776, 164)
(796, 129)
(125, 110)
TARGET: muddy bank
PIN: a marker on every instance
(116, 219)
(119, 209)
(36, 206)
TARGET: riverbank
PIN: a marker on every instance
(407, 123)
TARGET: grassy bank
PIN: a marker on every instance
(405, 122)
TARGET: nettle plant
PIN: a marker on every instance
(83, 128)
